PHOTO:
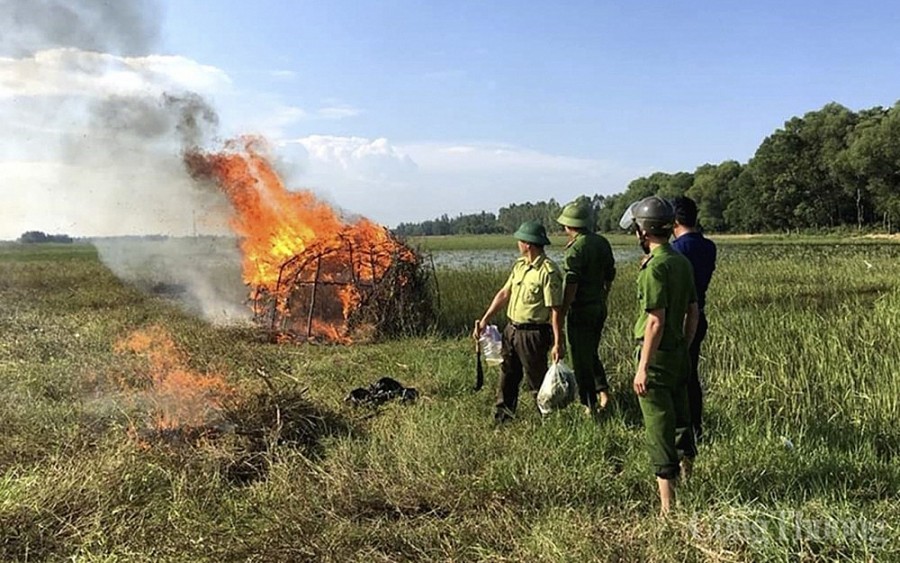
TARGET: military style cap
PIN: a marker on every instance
(533, 232)
(577, 215)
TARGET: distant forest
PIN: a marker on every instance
(40, 236)
(830, 169)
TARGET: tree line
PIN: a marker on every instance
(829, 169)
(39, 236)
(507, 220)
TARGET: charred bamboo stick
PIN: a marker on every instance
(352, 267)
(312, 299)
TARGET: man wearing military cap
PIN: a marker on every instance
(533, 295)
(589, 269)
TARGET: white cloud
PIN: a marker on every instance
(273, 121)
(357, 157)
(286, 75)
(270, 116)
(337, 112)
(71, 72)
(467, 178)
(396, 183)
(501, 158)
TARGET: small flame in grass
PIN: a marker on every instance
(176, 396)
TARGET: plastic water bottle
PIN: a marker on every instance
(491, 344)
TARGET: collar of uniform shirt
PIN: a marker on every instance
(537, 261)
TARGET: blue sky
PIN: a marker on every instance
(650, 84)
(404, 110)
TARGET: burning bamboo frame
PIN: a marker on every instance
(350, 285)
(312, 274)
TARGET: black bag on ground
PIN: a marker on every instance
(382, 391)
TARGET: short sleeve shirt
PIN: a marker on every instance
(665, 281)
(533, 288)
(589, 262)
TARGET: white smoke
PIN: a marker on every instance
(201, 274)
(97, 125)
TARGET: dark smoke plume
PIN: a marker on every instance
(120, 27)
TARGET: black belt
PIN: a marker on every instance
(530, 326)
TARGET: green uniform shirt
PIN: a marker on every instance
(533, 289)
(589, 262)
(666, 281)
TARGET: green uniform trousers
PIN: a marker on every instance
(667, 415)
(584, 326)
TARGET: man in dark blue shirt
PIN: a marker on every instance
(701, 252)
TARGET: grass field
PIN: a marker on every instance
(134, 432)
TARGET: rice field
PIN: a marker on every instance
(135, 431)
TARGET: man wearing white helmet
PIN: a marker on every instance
(667, 321)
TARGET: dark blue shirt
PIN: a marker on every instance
(701, 252)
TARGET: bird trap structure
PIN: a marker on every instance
(312, 274)
(354, 288)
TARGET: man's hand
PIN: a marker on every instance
(640, 381)
(479, 328)
(656, 320)
(558, 352)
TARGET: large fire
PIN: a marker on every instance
(307, 268)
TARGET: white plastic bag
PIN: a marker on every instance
(558, 388)
(491, 344)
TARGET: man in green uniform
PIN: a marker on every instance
(533, 295)
(589, 269)
(667, 321)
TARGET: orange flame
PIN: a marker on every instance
(290, 238)
(177, 396)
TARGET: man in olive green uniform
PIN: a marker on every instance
(533, 295)
(667, 321)
(589, 269)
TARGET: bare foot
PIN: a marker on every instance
(666, 495)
